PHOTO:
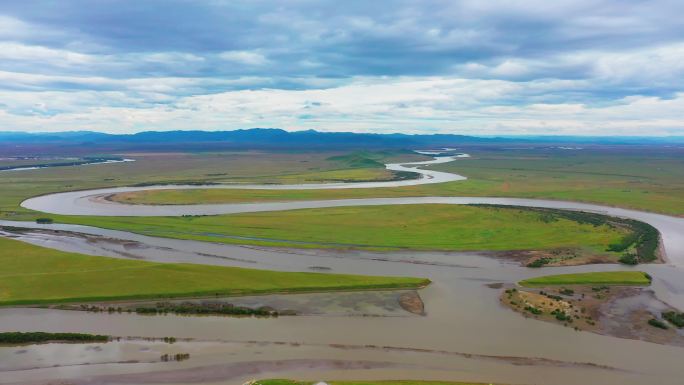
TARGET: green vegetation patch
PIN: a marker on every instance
(357, 160)
(638, 245)
(419, 227)
(675, 318)
(657, 323)
(34, 275)
(631, 278)
(38, 337)
(202, 309)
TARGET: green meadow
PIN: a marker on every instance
(37, 275)
(626, 178)
(627, 278)
(417, 227)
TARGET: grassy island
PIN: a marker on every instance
(35, 275)
(418, 227)
(627, 278)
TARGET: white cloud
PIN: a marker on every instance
(510, 68)
(658, 64)
(172, 57)
(37, 54)
(11, 28)
(244, 57)
(449, 105)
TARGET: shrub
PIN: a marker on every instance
(553, 296)
(629, 259)
(624, 243)
(657, 323)
(677, 319)
(561, 316)
(565, 291)
(189, 308)
(539, 262)
(533, 310)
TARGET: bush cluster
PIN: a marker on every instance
(533, 310)
(561, 315)
(175, 357)
(566, 291)
(213, 308)
(33, 337)
(629, 259)
(677, 319)
(657, 323)
(539, 262)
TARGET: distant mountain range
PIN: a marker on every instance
(256, 138)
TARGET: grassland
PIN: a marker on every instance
(386, 382)
(419, 227)
(166, 168)
(642, 179)
(622, 278)
(35, 275)
(627, 178)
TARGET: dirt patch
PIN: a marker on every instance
(412, 303)
(129, 198)
(555, 257)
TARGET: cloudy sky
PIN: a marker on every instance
(471, 67)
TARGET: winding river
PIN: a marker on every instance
(466, 334)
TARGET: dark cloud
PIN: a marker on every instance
(347, 38)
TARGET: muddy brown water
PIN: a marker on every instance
(463, 318)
